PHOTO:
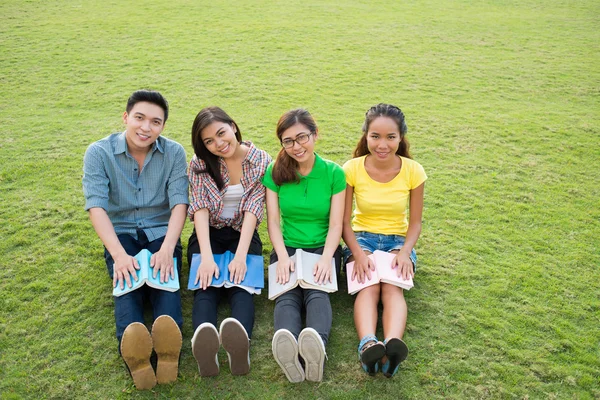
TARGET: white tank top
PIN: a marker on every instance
(231, 200)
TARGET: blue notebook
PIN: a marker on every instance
(253, 282)
(144, 275)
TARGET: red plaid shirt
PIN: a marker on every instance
(205, 194)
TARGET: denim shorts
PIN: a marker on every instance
(375, 241)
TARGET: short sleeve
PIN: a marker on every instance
(177, 186)
(417, 175)
(267, 180)
(349, 172)
(95, 179)
(339, 179)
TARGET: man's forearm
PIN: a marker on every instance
(176, 222)
(106, 231)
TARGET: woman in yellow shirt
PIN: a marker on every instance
(386, 183)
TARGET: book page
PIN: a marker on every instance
(220, 260)
(305, 265)
(142, 274)
(254, 280)
(171, 284)
(383, 261)
(353, 285)
(143, 259)
(275, 289)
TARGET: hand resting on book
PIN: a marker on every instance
(237, 270)
(124, 265)
(284, 266)
(162, 262)
(207, 269)
(362, 267)
(404, 265)
(322, 271)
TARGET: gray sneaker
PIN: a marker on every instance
(285, 352)
(234, 339)
(205, 346)
(312, 350)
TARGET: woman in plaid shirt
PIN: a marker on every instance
(226, 207)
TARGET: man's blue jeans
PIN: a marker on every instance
(130, 307)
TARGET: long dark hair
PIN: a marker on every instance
(389, 111)
(205, 117)
(285, 168)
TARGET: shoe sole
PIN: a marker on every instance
(312, 351)
(136, 348)
(167, 345)
(285, 352)
(235, 342)
(205, 346)
(396, 352)
(371, 356)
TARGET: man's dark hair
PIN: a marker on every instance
(149, 96)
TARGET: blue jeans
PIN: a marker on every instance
(207, 301)
(374, 241)
(130, 307)
(288, 306)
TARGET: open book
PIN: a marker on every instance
(144, 275)
(302, 275)
(383, 273)
(253, 282)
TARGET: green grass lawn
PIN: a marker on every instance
(502, 100)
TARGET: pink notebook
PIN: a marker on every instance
(383, 273)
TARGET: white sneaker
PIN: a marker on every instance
(312, 350)
(285, 352)
(205, 346)
(234, 339)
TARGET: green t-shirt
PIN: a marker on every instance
(304, 206)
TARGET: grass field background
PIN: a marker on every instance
(501, 99)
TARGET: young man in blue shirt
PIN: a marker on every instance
(136, 190)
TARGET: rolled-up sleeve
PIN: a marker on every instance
(198, 190)
(178, 181)
(95, 179)
(255, 202)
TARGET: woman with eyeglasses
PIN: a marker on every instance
(305, 208)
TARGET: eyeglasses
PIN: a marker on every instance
(300, 139)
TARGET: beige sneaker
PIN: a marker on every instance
(136, 348)
(285, 352)
(167, 340)
(205, 346)
(234, 339)
(312, 350)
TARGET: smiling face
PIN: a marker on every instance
(301, 152)
(219, 138)
(383, 138)
(144, 124)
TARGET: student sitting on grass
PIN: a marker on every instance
(305, 193)
(136, 192)
(385, 182)
(227, 205)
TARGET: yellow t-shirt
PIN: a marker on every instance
(382, 207)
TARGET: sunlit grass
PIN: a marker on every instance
(502, 103)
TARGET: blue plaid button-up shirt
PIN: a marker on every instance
(134, 200)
